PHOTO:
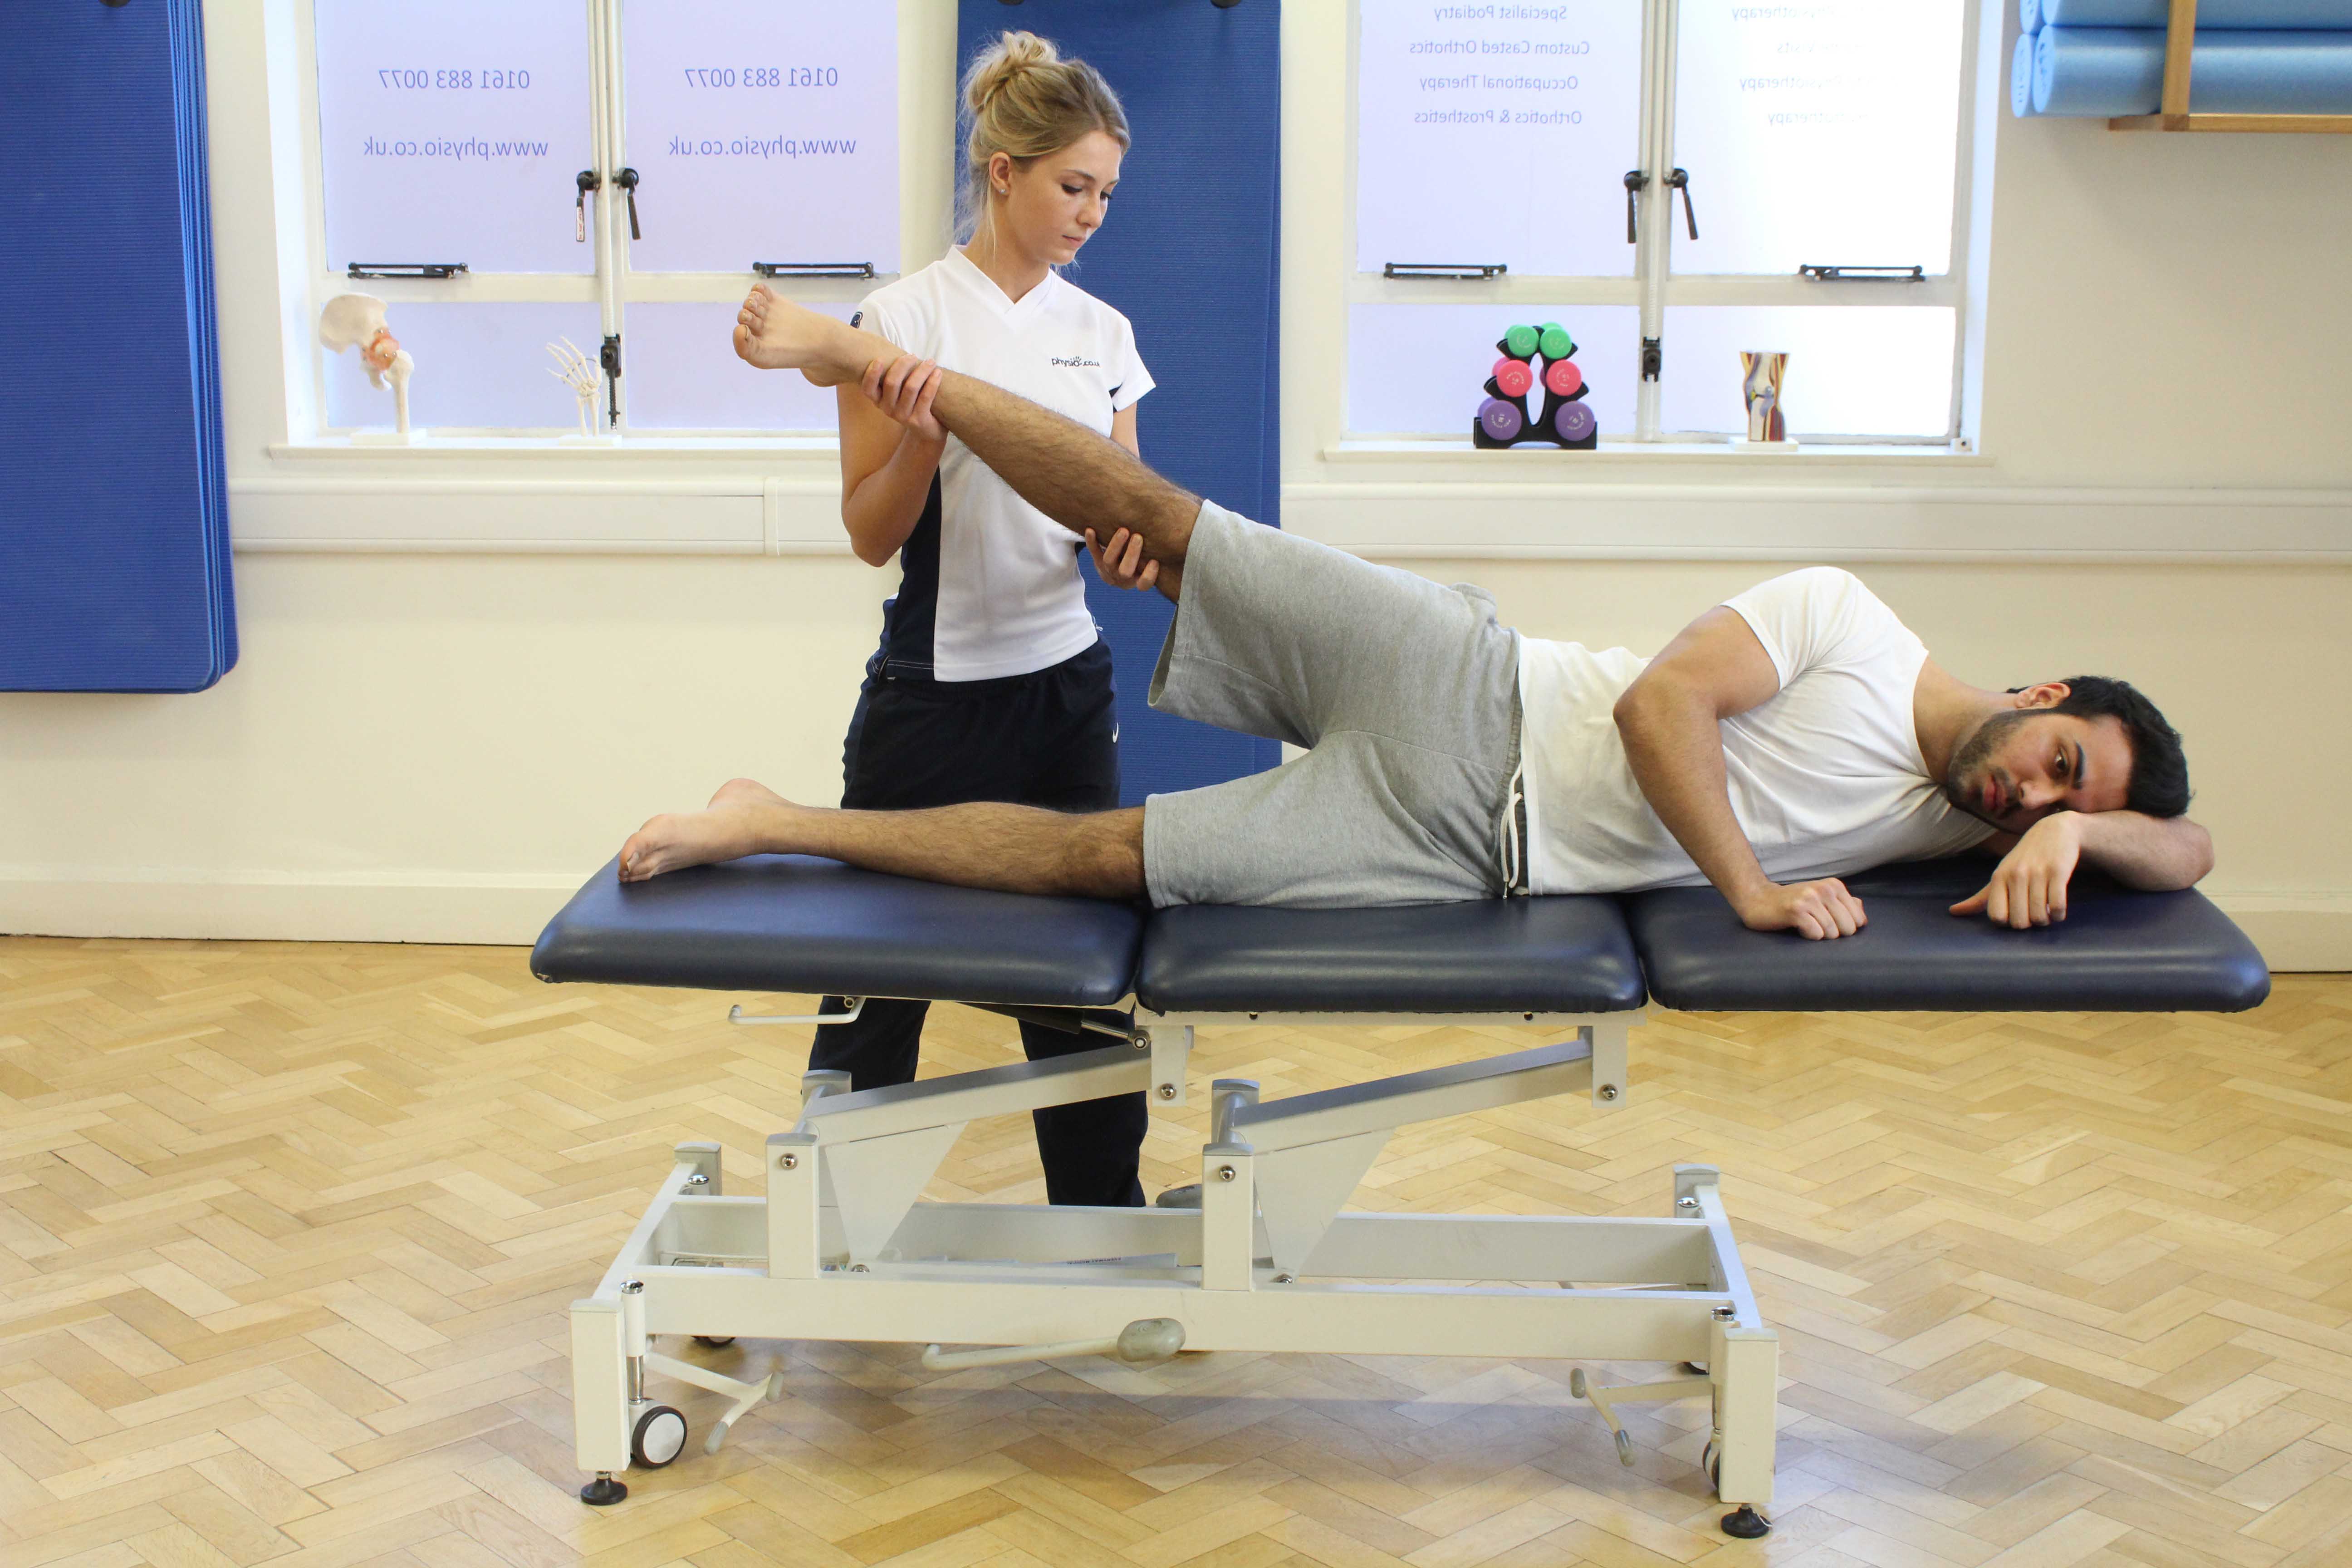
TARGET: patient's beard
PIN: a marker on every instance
(1971, 757)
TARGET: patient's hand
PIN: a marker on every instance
(1818, 911)
(1122, 561)
(2029, 886)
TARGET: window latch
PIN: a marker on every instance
(589, 181)
(405, 269)
(628, 179)
(1654, 357)
(1680, 180)
(815, 268)
(1846, 272)
(1636, 181)
(609, 357)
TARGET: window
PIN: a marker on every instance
(1548, 161)
(606, 173)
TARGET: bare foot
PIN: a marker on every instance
(776, 334)
(747, 789)
(725, 830)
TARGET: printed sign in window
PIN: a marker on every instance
(762, 131)
(1497, 134)
(451, 131)
(1818, 132)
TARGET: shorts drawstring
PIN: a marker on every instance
(1509, 851)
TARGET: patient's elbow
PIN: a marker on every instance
(1640, 705)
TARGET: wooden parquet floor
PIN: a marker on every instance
(289, 1232)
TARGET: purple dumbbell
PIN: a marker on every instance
(1502, 419)
(1575, 421)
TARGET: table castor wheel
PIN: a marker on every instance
(1746, 1523)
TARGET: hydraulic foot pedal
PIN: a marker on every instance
(1604, 1399)
(1144, 1342)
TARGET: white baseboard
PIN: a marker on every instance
(2297, 932)
(464, 908)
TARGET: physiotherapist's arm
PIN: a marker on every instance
(889, 451)
(1119, 561)
(2154, 854)
(1671, 721)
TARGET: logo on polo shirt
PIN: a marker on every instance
(1074, 362)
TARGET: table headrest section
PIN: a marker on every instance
(795, 923)
(1551, 955)
(2117, 950)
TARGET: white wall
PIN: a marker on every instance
(438, 746)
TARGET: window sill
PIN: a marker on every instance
(1621, 456)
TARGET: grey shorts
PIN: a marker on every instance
(1406, 694)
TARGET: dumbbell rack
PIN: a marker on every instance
(1566, 420)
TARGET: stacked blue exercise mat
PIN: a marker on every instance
(114, 545)
(2097, 59)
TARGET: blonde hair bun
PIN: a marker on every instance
(995, 66)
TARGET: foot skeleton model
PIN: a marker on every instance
(356, 321)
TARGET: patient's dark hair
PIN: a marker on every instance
(2159, 773)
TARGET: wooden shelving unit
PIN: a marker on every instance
(2180, 37)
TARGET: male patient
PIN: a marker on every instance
(1795, 733)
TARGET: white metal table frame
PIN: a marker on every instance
(841, 1248)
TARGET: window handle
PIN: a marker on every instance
(588, 179)
(1680, 180)
(628, 179)
(1635, 182)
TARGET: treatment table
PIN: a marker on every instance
(839, 1247)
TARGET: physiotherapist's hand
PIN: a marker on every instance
(1122, 561)
(904, 389)
(2028, 887)
(1818, 911)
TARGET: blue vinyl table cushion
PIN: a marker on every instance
(2117, 950)
(791, 923)
(794, 924)
(1548, 955)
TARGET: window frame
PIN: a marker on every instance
(1653, 285)
(612, 284)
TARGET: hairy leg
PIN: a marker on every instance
(1013, 849)
(1078, 478)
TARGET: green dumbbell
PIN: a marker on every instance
(1554, 341)
(1520, 341)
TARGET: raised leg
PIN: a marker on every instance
(1076, 478)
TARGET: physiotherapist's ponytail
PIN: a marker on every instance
(1021, 98)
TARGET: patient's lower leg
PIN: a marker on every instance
(1074, 476)
(1015, 848)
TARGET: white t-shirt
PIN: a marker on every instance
(1825, 776)
(990, 585)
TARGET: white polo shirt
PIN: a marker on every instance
(1825, 776)
(990, 585)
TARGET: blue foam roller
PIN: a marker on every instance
(2032, 14)
(2020, 76)
(2322, 14)
(2102, 71)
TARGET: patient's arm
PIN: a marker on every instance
(2154, 854)
(1078, 478)
(1013, 848)
(1671, 720)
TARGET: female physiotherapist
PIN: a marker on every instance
(992, 682)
